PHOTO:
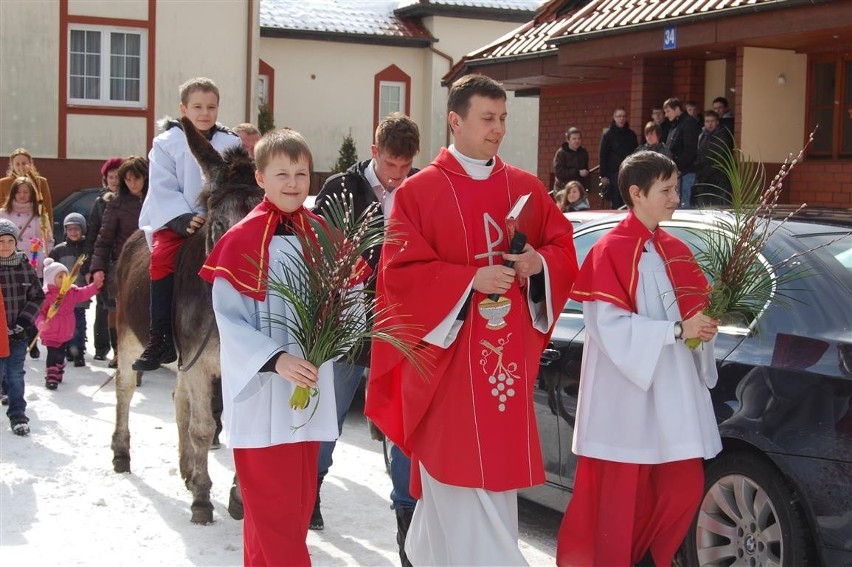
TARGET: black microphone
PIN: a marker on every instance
(515, 247)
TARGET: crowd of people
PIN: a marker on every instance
(464, 435)
(696, 141)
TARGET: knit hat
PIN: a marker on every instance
(51, 269)
(8, 227)
(75, 218)
(111, 163)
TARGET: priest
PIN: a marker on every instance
(467, 418)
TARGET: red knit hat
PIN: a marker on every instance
(110, 164)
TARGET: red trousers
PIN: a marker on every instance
(165, 245)
(620, 511)
(279, 486)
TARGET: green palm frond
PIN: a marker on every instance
(744, 280)
(330, 318)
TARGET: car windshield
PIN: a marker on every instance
(838, 246)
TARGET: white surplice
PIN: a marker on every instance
(644, 396)
(256, 404)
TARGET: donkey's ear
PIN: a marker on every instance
(205, 154)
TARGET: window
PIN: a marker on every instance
(391, 97)
(107, 66)
(831, 107)
(391, 93)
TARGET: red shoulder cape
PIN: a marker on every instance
(611, 270)
(240, 256)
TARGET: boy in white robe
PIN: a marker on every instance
(645, 419)
(275, 447)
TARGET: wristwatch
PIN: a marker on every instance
(678, 330)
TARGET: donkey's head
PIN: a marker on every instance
(230, 190)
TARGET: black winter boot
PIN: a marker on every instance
(403, 522)
(316, 516)
(161, 347)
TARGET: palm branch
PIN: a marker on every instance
(330, 317)
(743, 279)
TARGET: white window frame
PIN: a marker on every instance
(104, 72)
(392, 84)
(262, 89)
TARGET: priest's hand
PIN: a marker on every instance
(297, 370)
(527, 263)
(493, 279)
(700, 326)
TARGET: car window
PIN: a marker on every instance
(582, 244)
(838, 246)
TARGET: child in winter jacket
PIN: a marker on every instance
(67, 253)
(58, 329)
(22, 298)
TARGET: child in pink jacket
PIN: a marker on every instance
(59, 329)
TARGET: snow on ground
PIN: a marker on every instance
(61, 503)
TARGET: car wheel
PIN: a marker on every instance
(749, 516)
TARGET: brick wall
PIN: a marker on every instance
(821, 183)
(589, 108)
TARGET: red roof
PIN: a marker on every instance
(607, 15)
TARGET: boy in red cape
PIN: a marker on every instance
(644, 416)
(469, 423)
(262, 365)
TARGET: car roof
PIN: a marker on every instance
(805, 221)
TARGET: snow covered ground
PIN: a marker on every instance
(61, 503)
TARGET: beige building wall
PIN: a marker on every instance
(199, 39)
(715, 72)
(457, 37)
(29, 82)
(325, 90)
(773, 125)
(126, 9)
(95, 137)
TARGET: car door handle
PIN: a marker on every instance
(549, 356)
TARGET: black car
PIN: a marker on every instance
(780, 492)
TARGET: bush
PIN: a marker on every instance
(347, 155)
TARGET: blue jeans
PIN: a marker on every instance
(400, 472)
(13, 368)
(685, 183)
(346, 380)
(78, 341)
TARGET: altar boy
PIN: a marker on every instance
(261, 365)
(644, 416)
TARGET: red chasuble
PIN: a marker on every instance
(240, 256)
(470, 418)
(611, 270)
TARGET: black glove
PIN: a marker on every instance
(17, 333)
(180, 225)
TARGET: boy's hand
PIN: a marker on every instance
(297, 370)
(700, 326)
(186, 224)
(196, 223)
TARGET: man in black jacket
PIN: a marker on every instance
(712, 187)
(375, 180)
(618, 142)
(571, 162)
(683, 143)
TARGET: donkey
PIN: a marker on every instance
(230, 193)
